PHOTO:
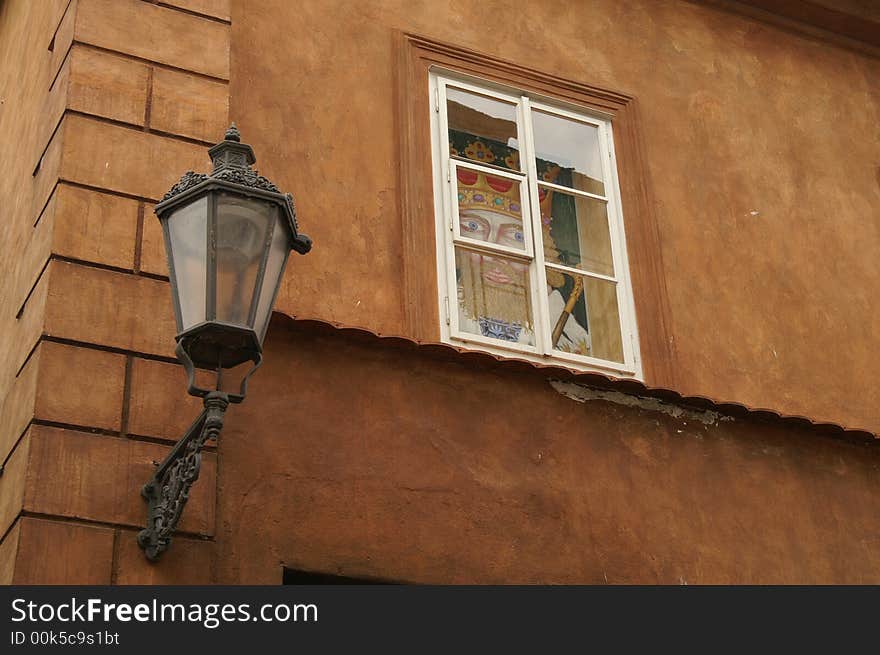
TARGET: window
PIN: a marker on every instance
(530, 241)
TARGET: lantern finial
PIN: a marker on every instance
(231, 153)
(232, 134)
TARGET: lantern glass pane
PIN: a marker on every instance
(187, 229)
(278, 252)
(241, 230)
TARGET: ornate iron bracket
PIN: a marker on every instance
(194, 390)
(168, 490)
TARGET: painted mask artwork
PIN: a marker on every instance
(494, 290)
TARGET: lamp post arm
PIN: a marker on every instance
(168, 490)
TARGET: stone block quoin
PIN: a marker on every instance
(138, 91)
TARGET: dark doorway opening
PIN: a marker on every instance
(295, 577)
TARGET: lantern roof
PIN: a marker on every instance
(232, 161)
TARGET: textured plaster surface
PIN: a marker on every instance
(394, 463)
(27, 68)
(762, 159)
(26, 75)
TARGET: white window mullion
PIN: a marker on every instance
(542, 306)
(572, 191)
(581, 271)
(618, 248)
(438, 138)
(446, 175)
(530, 208)
(449, 306)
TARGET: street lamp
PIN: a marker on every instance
(227, 238)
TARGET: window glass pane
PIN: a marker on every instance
(567, 153)
(242, 226)
(584, 318)
(189, 238)
(575, 231)
(494, 297)
(482, 129)
(278, 250)
(489, 208)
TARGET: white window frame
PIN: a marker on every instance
(448, 233)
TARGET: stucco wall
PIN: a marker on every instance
(371, 457)
(762, 158)
(372, 467)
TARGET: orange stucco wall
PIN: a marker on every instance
(418, 464)
(372, 457)
(761, 150)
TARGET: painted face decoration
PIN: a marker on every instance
(492, 228)
(493, 290)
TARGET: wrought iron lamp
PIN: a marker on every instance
(227, 238)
